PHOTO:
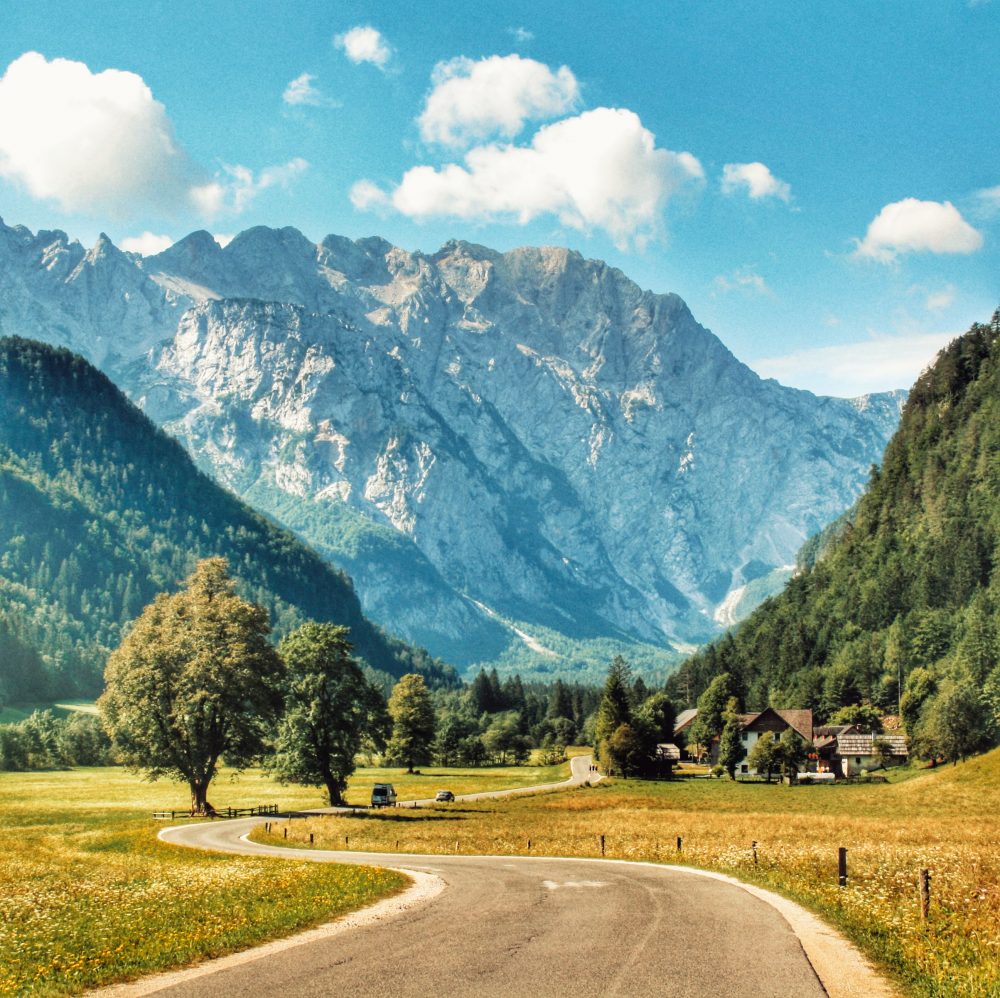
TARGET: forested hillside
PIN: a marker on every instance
(100, 510)
(906, 587)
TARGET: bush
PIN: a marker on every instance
(718, 771)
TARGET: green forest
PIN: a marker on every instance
(897, 604)
(100, 511)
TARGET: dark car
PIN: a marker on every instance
(444, 796)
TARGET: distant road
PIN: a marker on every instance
(526, 926)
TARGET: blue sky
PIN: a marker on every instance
(818, 181)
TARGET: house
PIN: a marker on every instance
(667, 756)
(856, 751)
(775, 721)
(682, 723)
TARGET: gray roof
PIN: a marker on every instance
(864, 744)
(684, 718)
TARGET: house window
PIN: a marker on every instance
(744, 768)
(746, 735)
(857, 760)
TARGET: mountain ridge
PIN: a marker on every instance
(547, 438)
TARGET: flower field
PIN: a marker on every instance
(944, 820)
(91, 897)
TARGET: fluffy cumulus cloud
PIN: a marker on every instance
(597, 170)
(475, 100)
(365, 44)
(303, 92)
(756, 180)
(100, 143)
(148, 244)
(851, 369)
(93, 142)
(912, 226)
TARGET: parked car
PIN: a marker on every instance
(383, 795)
(444, 796)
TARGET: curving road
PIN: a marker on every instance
(511, 926)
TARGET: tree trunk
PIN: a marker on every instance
(199, 797)
(335, 791)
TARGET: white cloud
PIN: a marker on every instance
(911, 226)
(943, 298)
(853, 369)
(237, 187)
(474, 100)
(303, 92)
(521, 35)
(600, 169)
(148, 244)
(93, 142)
(365, 44)
(366, 196)
(101, 144)
(744, 279)
(756, 179)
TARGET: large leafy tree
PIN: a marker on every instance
(413, 722)
(331, 711)
(194, 680)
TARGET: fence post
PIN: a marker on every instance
(286, 831)
(842, 867)
(310, 838)
(679, 841)
(925, 893)
(529, 845)
(753, 846)
(602, 845)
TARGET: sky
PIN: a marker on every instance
(818, 181)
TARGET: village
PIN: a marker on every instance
(825, 753)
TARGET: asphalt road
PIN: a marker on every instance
(508, 926)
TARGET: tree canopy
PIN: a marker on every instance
(413, 722)
(331, 711)
(194, 680)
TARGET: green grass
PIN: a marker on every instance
(82, 869)
(944, 820)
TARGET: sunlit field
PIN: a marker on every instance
(943, 820)
(90, 896)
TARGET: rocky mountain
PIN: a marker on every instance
(503, 449)
(100, 511)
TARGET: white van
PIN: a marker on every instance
(383, 795)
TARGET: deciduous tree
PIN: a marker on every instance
(331, 711)
(413, 722)
(195, 679)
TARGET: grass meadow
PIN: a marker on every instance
(945, 820)
(90, 896)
